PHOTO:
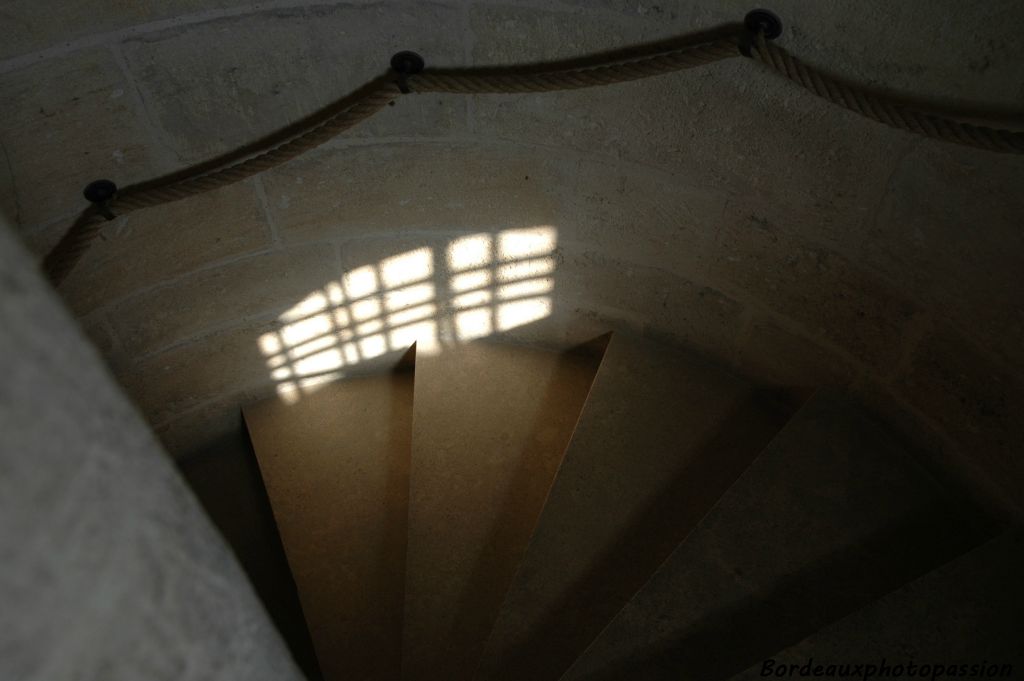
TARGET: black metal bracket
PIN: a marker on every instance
(100, 193)
(406, 64)
(759, 22)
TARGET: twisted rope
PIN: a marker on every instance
(885, 110)
(480, 81)
(278, 149)
(606, 69)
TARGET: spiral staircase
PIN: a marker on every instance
(617, 510)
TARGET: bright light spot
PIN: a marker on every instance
(316, 302)
(288, 392)
(407, 268)
(473, 324)
(410, 315)
(511, 315)
(472, 299)
(523, 289)
(334, 294)
(351, 353)
(526, 243)
(467, 281)
(424, 334)
(360, 282)
(470, 252)
(321, 379)
(319, 363)
(491, 283)
(307, 329)
(408, 296)
(316, 345)
(526, 269)
(270, 344)
(342, 318)
(366, 309)
(374, 346)
(372, 326)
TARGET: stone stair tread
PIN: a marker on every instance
(662, 436)
(966, 612)
(335, 464)
(833, 515)
(490, 428)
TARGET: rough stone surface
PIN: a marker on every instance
(322, 53)
(721, 208)
(980, 400)
(335, 463)
(662, 437)
(823, 291)
(779, 356)
(351, 191)
(110, 568)
(63, 124)
(34, 26)
(233, 293)
(761, 225)
(970, 609)
(151, 247)
(967, 266)
(834, 514)
(222, 368)
(490, 426)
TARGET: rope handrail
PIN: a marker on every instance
(751, 39)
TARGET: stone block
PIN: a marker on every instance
(355, 191)
(975, 400)
(219, 367)
(858, 45)
(153, 245)
(256, 287)
(773, 354)
(63, 123)
(238, 89)
(959, 250)
(36, 26)
(640, 215)
(822, 291)
(729, 126)
(193, 431)
(661, 302)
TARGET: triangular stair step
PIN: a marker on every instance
(335, 463)
(833, 515)
(662, 436)
(966, 612)
(491, 426)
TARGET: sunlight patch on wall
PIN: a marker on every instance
(478, 285)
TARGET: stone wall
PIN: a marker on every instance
(110, 569)
(723, 208)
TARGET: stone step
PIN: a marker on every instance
(335, 462)
(491, 426)
(663, 435)
(834, 514)
(965, 613)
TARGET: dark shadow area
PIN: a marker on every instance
(509, 538)
(596, 59)
(581, 614)
(226, 479)
(395, 541)
(732, 640)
